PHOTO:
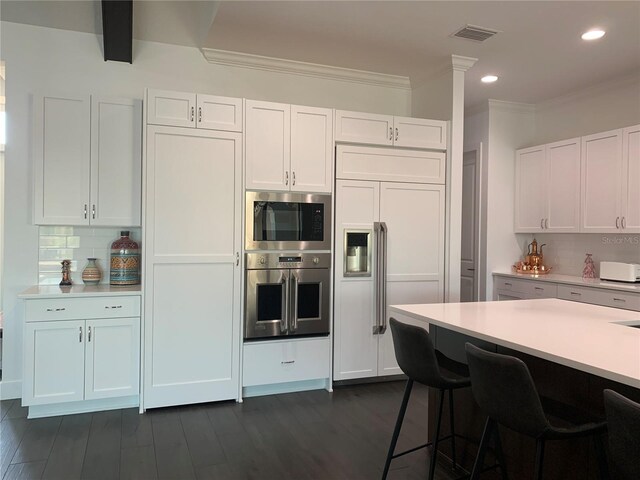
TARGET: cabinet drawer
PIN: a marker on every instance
(509, 284)
(537, 289)
(286, 361)
(607, 298)
(42, 310)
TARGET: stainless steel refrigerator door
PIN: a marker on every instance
(267, 303)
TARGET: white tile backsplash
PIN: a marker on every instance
(76, 244)
(565, 252)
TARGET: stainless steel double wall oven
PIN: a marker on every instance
(288, 264)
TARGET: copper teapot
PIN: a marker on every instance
(535, 258)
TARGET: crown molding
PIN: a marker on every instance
(293, 67)
(462, 64)
(593, 90)
(513, 107)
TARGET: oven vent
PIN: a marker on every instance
(475, 33)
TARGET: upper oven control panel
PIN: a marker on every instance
(281, 260)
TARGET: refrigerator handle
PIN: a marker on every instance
(376, 277)
(293, 312)
(383, 278)
(284, 321)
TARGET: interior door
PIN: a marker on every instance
(310, 306)
(266, 310)
(414, 216)
(355, 345)
(468, 257)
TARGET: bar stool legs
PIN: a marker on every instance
(537, 475)
(490, 431)
(453, 431)
(434, 452)
(396, 430)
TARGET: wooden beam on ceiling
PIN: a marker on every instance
(117, 29)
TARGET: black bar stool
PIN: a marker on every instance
(503, 388)
(623, 421)
(418, 359)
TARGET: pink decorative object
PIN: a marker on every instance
(589, 270)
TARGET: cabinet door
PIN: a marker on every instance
(531, 189)
(311, 149)
(267, 140)
(166, 107)
(419, 133)
(563, 161)
(61, 154)
(414, 217)
(355, 345)
(192, 333)
(601, 167)
(358, 127)
(219, 113)
(116, 161)
(631, 179)
(53, 362)
(112, 360)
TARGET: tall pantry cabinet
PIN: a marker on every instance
(193, 179)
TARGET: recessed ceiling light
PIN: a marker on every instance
(488, 79)
(593, 34)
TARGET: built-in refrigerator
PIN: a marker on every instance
(389, 250)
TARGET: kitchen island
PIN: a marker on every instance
(573, 350)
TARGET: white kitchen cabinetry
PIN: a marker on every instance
(79, 350)
(548, 188)
(358, 127)
(181, 109)
(288, 147)
(87, 161)
(631, 179)
(414, 218)
(192, 266)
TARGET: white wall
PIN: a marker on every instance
(43, 59)
(426, 104)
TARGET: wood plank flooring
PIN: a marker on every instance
(306, 435)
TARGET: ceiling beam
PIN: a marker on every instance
(117, 30)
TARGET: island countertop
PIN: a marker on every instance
(590, 338)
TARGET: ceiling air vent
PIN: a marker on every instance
(475, 33)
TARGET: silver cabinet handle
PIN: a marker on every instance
(293, 313)
(56, 309)
(199, 114)
(396, 134)
(542, 223)
(112, 306)
(237, 259)
(192, 113)
(85, 210)
(576, 293)
(93, 211)
(390, 133)
(538, 288)
(619, 299)
(617, 222)
(284, 281)
(286, 178)
(546, 223)
(471, 269)
(89, 335)
(624, 222)
(507, 284)
(288, 362)
(80, 335)
(293, 177)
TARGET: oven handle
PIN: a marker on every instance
(293, 313)
(284, 280)
(376, 279)
(383, 278)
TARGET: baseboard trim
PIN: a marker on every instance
(288, 387)
(359, 381)
(83, 406)
(10, 389)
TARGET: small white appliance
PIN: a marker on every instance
(620, 272)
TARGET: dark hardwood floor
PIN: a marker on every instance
(307, 435)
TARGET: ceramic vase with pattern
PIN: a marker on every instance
(125, 261)
(91, 275)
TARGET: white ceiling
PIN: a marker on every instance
(538, 54)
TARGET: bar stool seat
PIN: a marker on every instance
(421, 362)
(623, 421)
(504, 390)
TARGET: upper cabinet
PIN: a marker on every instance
(369, 128)
(288, 147)
(548, 188)
(179, 109)
(610, 181)
(87, 160)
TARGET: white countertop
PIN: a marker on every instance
(578, 335)
(573, 280)
(102, 290)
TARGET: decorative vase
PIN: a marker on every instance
(125, 261)
(91, 275)
(589, 270)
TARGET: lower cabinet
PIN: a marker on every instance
(80, 360)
